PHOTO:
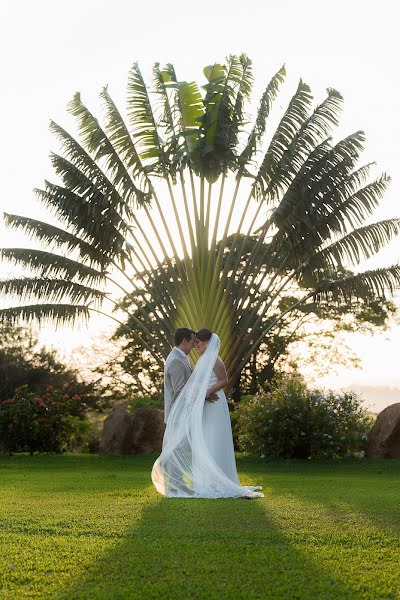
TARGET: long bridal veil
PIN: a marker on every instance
(185, 468)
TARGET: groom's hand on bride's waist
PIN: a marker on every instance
(211, 398)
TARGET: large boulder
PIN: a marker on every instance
(115, 428)
(140, 432)
(146, 431)
(384, 437)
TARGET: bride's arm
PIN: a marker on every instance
(219, 370)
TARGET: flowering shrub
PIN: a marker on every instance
(32, 422)
(292, 421)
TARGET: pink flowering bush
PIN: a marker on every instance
(31, 422)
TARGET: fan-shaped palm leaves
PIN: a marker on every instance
(185, 214)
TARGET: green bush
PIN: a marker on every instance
(145, 402)
(87, 435)
(32, 422)
(291, 421)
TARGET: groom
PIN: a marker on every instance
(177, 369)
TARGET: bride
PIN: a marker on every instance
(197, 459)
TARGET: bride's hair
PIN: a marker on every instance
(204, 335)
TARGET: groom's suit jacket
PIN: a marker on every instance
(177, 371)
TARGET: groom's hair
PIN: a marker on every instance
(183, 333)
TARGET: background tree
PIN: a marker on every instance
(128, 373)
(24, 362)
(151, 195)
(314, 337)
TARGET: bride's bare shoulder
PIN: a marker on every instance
(219, 370)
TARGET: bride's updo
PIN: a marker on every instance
(204, 335)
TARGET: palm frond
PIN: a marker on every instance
(143, 122)
(182, 108)
(320, 124)
(190, 109)
(82, 176)
(90, 217)
(351, 209)
(311, 136)
(371, 285)
(161, 81)
(313, 192)
(215, 75)
(348, 251)
(50, 290)
(61, 239)
(243, 90)
(97, 143)
(48, 264)
(83, 166)
(263, 112)
(328, 173)
(311, 225)
(226, 89)
(121, 140)
(58, 314)
(364, 242)
(271, 177)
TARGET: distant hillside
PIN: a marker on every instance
(376, 397)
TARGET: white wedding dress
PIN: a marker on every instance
(217, 433)
(197, 459)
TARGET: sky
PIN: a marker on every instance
(51, 49)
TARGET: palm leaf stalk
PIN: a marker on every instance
(175, 216)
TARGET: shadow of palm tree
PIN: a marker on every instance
(224, 548)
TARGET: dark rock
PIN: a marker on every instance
(384, 437)
(140, 432)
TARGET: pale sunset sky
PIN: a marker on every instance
(51, 49)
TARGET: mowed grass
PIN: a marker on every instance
(84, 526)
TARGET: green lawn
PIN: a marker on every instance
(83, 526)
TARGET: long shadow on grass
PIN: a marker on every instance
(228, 548)
(369, 489)
(346, 516)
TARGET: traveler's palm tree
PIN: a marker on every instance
(158, 209)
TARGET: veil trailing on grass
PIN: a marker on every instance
(185, 468)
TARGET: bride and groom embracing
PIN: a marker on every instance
(197, 458)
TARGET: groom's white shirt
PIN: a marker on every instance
(177, 371)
